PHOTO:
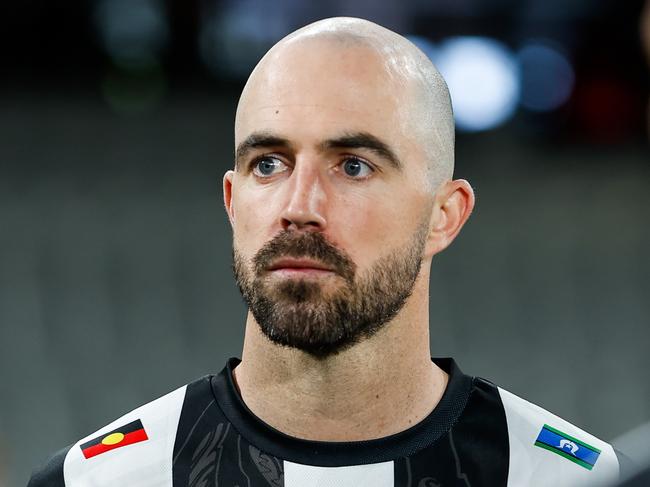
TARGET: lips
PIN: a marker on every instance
(297, 255)
(298, 264)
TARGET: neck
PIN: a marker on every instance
(379, 387)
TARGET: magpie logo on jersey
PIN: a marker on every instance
(126, 435)
(568, 447)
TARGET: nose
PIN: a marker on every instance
(305, 206)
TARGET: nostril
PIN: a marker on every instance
(297, 224)
(287, 224)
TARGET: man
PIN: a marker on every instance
(341, 195)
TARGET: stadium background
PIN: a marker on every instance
(115, 130)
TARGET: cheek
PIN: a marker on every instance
(369, 227)
(254, 217)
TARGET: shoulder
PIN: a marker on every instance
(545, 449)
(137, 446)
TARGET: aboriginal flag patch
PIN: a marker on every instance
(126, 435)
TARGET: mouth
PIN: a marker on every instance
(290, 267)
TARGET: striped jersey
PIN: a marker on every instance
(203, 435)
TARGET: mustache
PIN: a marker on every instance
(312, 245)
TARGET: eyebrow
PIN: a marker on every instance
(364, 140)
(258, 140)
(349, 140)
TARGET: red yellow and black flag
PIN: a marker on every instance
(126, 435)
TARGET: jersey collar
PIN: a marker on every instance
(331, 453)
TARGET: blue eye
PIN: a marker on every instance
(267, 166)
(354, 167)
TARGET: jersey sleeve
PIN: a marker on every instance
(135, 449)
(548, 450)
(50, 474)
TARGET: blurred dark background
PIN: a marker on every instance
(116, 128)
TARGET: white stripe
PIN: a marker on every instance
(533, 466)
(371, 475)
(144, 464)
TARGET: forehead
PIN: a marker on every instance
(316, 88)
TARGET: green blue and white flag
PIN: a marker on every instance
(567, 446)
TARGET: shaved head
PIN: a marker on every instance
(414, 92)
(342, 189)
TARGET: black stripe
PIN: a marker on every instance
(208, 451)
(127, 428)
(480, 441)
(192, 459)
(50, 474)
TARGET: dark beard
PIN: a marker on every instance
(300, 314)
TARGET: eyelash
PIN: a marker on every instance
(253, 164)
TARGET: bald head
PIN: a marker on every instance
(408, 87)
(344, 154)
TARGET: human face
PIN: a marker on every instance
(329, 201)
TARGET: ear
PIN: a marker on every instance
(227, 195)
(453, 204)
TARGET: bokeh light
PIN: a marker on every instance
(547, 77)
(132, 32)
(483, 79)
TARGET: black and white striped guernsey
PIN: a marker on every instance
(203, 435)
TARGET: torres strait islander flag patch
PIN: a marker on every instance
(126, 435)
(568, 447)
